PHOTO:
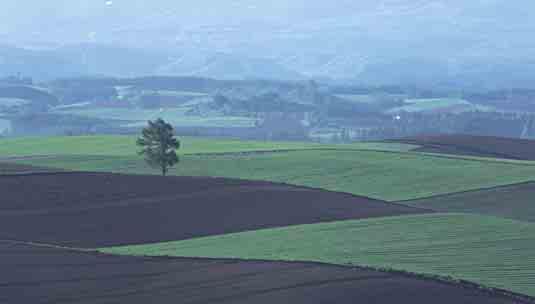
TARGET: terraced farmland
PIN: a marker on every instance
(491, 251)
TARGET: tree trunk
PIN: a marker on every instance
(164, 170)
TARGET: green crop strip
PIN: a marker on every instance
(491, 251)
(387, 176)
(125, 146)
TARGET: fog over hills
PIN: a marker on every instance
(384, 41)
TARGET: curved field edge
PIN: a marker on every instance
(490, 251)
(389, 176)
(494, 292)
(123, 145)
(462, 144)
(15, 168)
(267, 276)
(511, 201)
(101, 209)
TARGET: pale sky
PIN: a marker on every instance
(65, 21)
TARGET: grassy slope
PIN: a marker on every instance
(491, 251)
(125, 146)
(389, 176)
(514, 201)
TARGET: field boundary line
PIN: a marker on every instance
(497, 158)
(35, 173)
(461, 147)
(464, 192)
(286, 184)
(267, 151)
(448, 280)
(263, 182)
(27, 157)
(451, 281)
(508, 161)
(46, 245)
(480, 159)
(16, 158)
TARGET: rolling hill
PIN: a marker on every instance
(229, 231)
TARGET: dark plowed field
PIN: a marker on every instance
(513, 201)
(12, 168)
(98, 210)
(499, 147)
(43, 275)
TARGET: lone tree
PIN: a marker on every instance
(159, 144)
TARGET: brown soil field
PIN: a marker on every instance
(32, 274)
(99, 209)
(12, 168)
(498, 147)
(512, 201)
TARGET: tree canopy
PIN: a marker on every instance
(159, 144)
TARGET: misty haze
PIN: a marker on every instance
(280, 151)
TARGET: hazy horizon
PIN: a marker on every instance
(338, 39)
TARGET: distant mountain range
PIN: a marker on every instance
(479, 42)
(101, 60)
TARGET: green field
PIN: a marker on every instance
(384, 175)
(126, 146)
(175, 116)
(491, 251)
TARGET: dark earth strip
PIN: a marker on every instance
(42, 275)
(13, 168)
(511, 201)
(99, 209)
(483, 146)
